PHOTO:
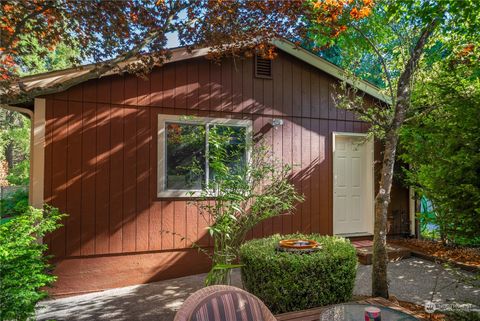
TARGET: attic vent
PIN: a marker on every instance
(263, 67)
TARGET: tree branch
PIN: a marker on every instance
(380, 56)
(403, 87)
(19, 95)
(424, 112)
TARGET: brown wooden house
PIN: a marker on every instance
(99, 154)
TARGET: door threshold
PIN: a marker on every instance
(354, 234)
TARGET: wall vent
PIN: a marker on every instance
(263, 67)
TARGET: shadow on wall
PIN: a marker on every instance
(101, 152)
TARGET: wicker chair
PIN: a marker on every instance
(223, 303)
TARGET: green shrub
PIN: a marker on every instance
(289, 281)
(14, 204)
(442, 150)
(20, 173)
(24, 267)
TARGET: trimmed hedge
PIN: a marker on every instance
(290, 282)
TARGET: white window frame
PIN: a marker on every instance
(162, 148)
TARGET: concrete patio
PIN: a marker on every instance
(411, 280)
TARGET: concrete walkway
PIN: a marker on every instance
(410, 280)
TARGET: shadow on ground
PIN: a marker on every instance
(154, 301)
(417, 281)
(411, 280)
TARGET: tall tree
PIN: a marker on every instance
(402, 37)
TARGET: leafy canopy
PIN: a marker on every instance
(111, 33)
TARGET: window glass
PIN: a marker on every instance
(185, 156)
(227, 149)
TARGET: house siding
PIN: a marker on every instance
(101, 163)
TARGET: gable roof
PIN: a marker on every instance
(54, 79)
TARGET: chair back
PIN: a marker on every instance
(223, 303)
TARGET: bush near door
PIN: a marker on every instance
(290, 282)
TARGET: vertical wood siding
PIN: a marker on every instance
(101, 150)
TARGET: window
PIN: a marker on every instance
(184, 148)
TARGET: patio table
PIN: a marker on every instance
(315, 314)
(356, 312)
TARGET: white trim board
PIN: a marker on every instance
(37, 150)
(37, 160)
(329, 68)
(369, 163)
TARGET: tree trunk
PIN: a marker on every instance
(9, 155)
(382, 200)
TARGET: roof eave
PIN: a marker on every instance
(56, 78)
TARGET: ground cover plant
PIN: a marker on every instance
(290, 281)
(24, 268)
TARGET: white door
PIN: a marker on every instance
(352, 185)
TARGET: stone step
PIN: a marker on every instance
(395, 252)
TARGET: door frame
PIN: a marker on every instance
(369, 162)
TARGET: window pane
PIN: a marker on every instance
(185, 156)
(227, 148)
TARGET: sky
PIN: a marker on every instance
(172, 40)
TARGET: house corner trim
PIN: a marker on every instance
(37, 160)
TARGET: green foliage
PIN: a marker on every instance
(39, 59)
(241, 192)
(289, 281)
(24, 268)
(14, 204)
(15, 127)
(20, 173)
(378, 48)
(442, 147)
(15, 145)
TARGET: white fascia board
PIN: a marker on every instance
(329, 68)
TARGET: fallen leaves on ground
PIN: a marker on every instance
(462, 255)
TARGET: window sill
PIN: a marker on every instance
(179, 194)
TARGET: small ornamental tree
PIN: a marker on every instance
(246, 186)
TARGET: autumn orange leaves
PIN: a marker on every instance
(334, 13)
